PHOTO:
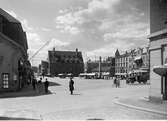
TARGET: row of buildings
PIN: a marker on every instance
(14, 64)
(133, 61)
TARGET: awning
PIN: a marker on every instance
(82, 74)
(91, 74)
(140, 71)
(121, 74)
(138, 58)
(160, 70)
(105, 73)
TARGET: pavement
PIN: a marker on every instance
(144, 104)
(92, 100)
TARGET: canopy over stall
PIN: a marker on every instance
(160, 70)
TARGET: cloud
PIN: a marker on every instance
(34, 40)
(96, 10)
(57, 43)
(46, 29)
(109, 49)
(26, 25)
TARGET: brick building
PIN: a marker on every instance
(65, 62)
(13, 53)
(158, 49)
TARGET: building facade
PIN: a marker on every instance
(133, 62)
(14, 62)
(121, 64)
(158, 48)
(106, 65)
(44, 67)
(65, 62)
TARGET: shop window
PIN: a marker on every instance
(5, 79)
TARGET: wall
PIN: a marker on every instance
(158, 17)
(155, 60)
(9, 63)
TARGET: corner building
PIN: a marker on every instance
(158, 48)
(13, 54)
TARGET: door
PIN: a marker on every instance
(164, 48)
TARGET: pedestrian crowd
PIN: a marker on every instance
(117, 81)
(40, 86)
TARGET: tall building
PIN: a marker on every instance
(13, 53)
(65, 62)
(158, 49)
(121, 64)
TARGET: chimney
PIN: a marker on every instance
(77, 50)
(53, 48)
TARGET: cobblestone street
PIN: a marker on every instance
(92, 99)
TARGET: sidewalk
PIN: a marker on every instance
(27, 91)
(144, 104)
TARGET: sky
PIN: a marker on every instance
(95, 27)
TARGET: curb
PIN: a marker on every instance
(140, 108)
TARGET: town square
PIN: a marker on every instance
(83, 60)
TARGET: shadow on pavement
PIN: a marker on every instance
(54, 84)
(15, 118)
(27, 91)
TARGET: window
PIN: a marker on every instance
(5, 78)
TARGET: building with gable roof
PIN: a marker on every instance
(65, 62)
(13, 53)
(132, 63)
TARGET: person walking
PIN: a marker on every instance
(46, 84)
(39, 84)
(117, 82)
(71, 86)
(34, 82)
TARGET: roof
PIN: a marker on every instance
(8, 16)
(64, 52)
(65, 55)
(117, 53)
